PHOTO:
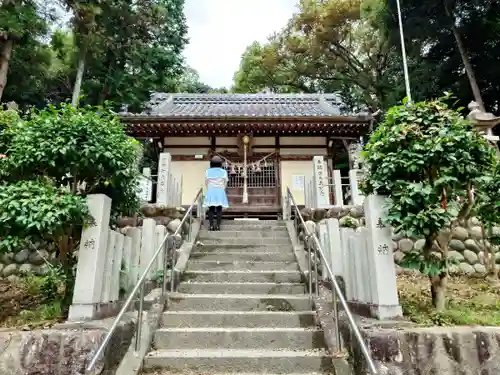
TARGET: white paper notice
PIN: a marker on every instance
(298, 182)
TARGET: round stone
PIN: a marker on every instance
(471, 244)
(471, 257)
(456, 245)
(356, 212)
(13, 279)
(25, 269)
(419, 244)
(455, 256)
(8, 258)
(398, 256)
(333, 212)
(319, 214)
(405, 245)
(174, 225)
(460, 233)
(37, 257)
(474, 222)
(481, 269)
(398, 236)
(476, 233)
(22, 256)
(41, 270)
(9, 269)
(466, 269)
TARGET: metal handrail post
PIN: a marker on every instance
(338, 291)
(139, 284)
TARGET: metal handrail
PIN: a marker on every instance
(336, 291)
(140, 285)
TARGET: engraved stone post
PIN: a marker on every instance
(91, 260)
(320, 180)
(380, 260)
(164, 169)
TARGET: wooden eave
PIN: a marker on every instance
(154, 126)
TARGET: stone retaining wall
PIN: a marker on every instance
(65, 349)
(34, 258)
(466, 246)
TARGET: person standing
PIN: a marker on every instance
(215, 198)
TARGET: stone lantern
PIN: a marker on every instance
(483, 121)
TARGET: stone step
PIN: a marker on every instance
(243, 256)
(239, 302)
(209, 361)
(276, 223)
(220, 276)
(168, 372)
(249, 319)
(260, 248)
(241, 288)
(271, 241)
(208, 265)
(238, 338)
(243, 234)
(253, 227)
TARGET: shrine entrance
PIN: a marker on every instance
(254, 188)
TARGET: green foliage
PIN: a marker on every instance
(427, 158)
(85, 149)
(32, 209)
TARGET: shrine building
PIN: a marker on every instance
(267, 141)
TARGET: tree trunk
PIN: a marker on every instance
(438, 291)
(78, 80)
(5, 55)
(465, 59)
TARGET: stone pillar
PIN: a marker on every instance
(356, 195)
(347, 263)
(127, 263)
(164, 168)
(160, 233)
(335, 246)
(147, 246)
(323, 240)
(320, 182)
(146, 186)
(117, 266)
(337, 184)
(135, 255)
(108, 267)
(384, 289)
(91, 260)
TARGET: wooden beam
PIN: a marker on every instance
(235, 146)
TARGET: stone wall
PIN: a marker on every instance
(65, 349)
(34, 258)
(466, 246)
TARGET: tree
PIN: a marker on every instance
(190, 82)
(327, 46)
(20, 23)
(52, 161)
(427, 159)
(446, 40)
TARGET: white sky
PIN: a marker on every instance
(220, 30)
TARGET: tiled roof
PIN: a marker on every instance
(243, 105)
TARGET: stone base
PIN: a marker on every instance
(81, 312)
(381, 312)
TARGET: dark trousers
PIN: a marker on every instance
(214, 215)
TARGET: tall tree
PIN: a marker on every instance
(328, 45)
(21, 23)
(446, 41)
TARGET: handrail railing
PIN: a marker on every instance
(141, 284)
(336, 291)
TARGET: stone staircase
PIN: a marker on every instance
(241, 308)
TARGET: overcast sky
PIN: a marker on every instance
(220, 30)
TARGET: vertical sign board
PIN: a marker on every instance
(163, 177)
(145, 189)
(320, 181)
(380, 259)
